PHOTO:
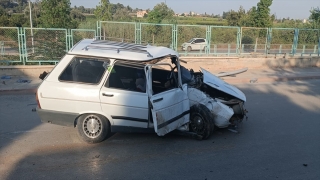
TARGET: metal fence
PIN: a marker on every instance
(39, 45)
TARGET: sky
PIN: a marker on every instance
(294, 9)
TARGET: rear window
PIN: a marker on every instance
(84, 70)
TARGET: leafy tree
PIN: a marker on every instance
(56, 14)
(159, 13)
(115, 7)
(234, 18)
(77, 15)
(262, 14)
(103, 11)
(122, 15)
(315, 17)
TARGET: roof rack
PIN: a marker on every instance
(118, 46)
(121, 44)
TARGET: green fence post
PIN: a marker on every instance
(238, 41)
(242, 48)
(269, 39)
(24, 47)
(229, 46)
(303, 49)
(319, 46)
(99, 29)
(295, 41)
(280, 49)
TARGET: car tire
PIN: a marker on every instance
(204, 49)
(189, 48)
(93, 128)
(201, 121)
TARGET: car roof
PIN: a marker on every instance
(121, 50)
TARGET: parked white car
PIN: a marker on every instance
(103, 86)
(195, 44)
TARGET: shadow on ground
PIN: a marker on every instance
(279, 140)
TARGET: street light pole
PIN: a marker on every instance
(31, 27)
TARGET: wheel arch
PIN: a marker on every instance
(108, 117)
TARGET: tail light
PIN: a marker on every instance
(37, 99)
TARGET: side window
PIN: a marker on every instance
(127, 78)
(84, 70)
(163, 80)
(201, 40)
(196, 41)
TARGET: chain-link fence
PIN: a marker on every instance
(185, 36)
(157, 34)
(79, 34)
(26, 45)
(308, 41)
(118, 31)
(283, 40)
(9, 45)
(253, 40)
(48, 45)
(224, 40)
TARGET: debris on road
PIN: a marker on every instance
(5, 77)
(23, 81)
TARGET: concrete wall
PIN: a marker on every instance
(209, 63)
(31, 71)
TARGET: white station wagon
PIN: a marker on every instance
(103, 86)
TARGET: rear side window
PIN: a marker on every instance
(200, 41)
(84, 70)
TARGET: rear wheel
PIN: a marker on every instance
(201, 121)
(93, 128)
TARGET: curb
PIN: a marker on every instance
(18, 91)
(271, 79)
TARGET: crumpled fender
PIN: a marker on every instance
(221, 112)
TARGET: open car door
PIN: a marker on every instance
(169, 105)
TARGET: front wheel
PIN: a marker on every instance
(93, 128)
(201, 121)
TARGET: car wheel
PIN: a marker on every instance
(93, 128)
(189, 48)
(201, 121)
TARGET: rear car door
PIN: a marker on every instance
(169, 103)
(123, 100)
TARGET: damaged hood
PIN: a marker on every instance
(216, 83)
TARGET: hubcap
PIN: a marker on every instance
(92, 126)
(197, 123)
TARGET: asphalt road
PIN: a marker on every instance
(280, 140)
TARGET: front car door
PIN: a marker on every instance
(169, 103)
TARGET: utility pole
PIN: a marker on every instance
(31, 27)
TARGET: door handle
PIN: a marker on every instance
(108, 95)
(157, 100)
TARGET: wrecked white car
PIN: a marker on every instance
(103, 86)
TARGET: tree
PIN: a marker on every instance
(103, 11)
(235, 18)
(315, 17)
(262, 14)
(77, 15)
(159, 13)
(56, 14)
(122, 15)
